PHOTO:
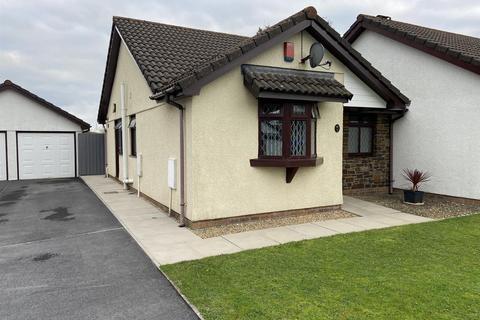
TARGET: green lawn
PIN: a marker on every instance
(424, 271)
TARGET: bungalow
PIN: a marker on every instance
(220, 127)
(440, 72)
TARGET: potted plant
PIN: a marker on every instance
(416, 178)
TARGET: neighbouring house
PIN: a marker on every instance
(37, 138)
(240, 127)
(440, 72)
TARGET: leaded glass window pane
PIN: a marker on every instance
(366, 140)
(299, 109)
(271, 109)
(298, 138)
(353, 133)
(271, 137)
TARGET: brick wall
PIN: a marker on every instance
(368, 173)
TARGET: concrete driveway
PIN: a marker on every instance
(64, 256)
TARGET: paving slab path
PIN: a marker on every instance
(165, 243)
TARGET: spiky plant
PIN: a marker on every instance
(416, 177)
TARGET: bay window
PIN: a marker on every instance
(287, 132)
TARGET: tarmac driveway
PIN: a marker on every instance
(64, 256)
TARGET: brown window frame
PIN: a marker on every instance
(118, 136)
(365, 121)
(286, 117)
(133, 137)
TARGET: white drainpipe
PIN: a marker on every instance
(124, 136)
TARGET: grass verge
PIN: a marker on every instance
(424, 271)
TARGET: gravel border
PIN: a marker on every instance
(271, 223)
(436, 206)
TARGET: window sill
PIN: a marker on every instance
(286, 163)
(291, 165)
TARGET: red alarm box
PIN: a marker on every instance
(288, 51)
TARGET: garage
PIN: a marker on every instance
(3, 156)
(46, 155)
(38, 140)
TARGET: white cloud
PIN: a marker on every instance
(11, 57)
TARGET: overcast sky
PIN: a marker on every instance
(57, 49)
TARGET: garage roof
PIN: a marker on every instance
(9, 85)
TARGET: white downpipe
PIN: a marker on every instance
(170, 203)
(139, 172)
(124, 135)
(138, 188)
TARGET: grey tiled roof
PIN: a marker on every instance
(448, 45)
(313, 83)
(171, 55)
(178, 58)
(166, 52)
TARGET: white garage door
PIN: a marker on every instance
(46, 155)
(3, 156)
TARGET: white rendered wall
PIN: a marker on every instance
(441, 131)
(20, 113)
(363, 95)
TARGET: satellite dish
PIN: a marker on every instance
(316, 55)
